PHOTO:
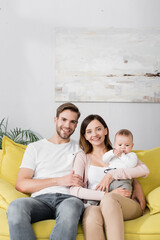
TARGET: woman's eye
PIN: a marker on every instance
(89, 132)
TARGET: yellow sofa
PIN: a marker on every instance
(146, 227)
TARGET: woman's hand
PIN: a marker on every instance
(104, 183)
(123, 192)
(138, 194)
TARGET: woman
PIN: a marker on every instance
(113, 207)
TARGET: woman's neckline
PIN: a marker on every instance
(95, 163)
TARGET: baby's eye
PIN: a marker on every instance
(120, 145)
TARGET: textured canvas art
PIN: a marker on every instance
(111, 65)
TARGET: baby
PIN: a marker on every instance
(121, 157)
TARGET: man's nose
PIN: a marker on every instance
(67, 124)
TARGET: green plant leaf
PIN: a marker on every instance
(17, 134)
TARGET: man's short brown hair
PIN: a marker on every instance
(68, 106)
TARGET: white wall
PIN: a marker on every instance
(27, 70)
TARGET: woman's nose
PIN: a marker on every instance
(94, 133)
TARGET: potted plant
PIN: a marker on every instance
(17, 134)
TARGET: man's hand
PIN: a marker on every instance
(138, 194)
(72, 180)
(104, 183)
(26, 183)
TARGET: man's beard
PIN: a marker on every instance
(65, 135)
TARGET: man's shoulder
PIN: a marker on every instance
(37, 143)
(74, 144)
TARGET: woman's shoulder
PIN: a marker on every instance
(82, 155)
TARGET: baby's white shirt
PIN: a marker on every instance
(124, 161)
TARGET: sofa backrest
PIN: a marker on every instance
(152, 160)
(11, 159)
(12, 154)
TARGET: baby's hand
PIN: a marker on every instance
(106, 164)
(117, 152)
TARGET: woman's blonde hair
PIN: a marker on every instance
(83, 143)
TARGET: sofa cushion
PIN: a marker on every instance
(4, 230)
(41, 229)
(8, 193)
(145, 227)
(1, 152)
(152, 159)
(11, 159)
(153, 201)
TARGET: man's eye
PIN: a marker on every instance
(74, 122)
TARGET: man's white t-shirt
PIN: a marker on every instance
(50, 160)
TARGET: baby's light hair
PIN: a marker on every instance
(124, 132)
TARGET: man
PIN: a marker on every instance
(46, 173)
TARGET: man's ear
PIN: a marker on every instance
(55, 119)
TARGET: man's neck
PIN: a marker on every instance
(56, 139)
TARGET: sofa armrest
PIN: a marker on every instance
(153, 201)
(8, 193)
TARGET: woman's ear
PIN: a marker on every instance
(106, 132)
(85, 136)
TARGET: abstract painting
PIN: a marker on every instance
(109, 65)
